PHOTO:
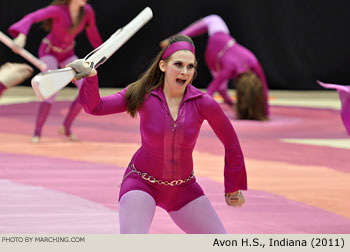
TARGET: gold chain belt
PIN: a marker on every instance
(56, 49)
(228, 45)
(153, 180)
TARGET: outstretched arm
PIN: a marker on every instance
(195, 29)
(23, 26)
(20, 29)
(89, 95)
(210, 24)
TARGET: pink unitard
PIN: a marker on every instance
(167, 148)
(225, 58)
(57, 49)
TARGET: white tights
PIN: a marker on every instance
(136, 212)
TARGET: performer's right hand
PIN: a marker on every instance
(83, 69)
(19, 42)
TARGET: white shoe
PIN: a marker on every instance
(71, 136)
(35, 139)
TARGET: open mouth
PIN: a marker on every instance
(180, 82)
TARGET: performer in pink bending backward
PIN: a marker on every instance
(226, 59)
(12, 74)
(65, 19)
(171, 113)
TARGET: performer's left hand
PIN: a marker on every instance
(18, 43)
(235, 199)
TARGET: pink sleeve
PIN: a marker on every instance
(209, 24)
(91, 30)
(89, 98)
(215, 24)
(24, 25)
(234, 172)
(197, 28)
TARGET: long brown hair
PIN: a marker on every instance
(47, 24)
(151, 79)
(251, 101)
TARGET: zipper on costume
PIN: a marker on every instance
(173, 141)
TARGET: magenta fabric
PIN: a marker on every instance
(215, 24)
(59, 56)
(2, 88)
(236, 59)
(74, 110)
(43, 113)
(210, 24)
(344, 96)
(170, 198)
(59, 35)
(167, 145)
(197, 28)
(177, 46)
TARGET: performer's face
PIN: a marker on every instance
(179, 69)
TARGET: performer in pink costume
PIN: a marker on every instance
(65, 19)
(12, 74)
(226, 60)
(344, 96)
(171, 113)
